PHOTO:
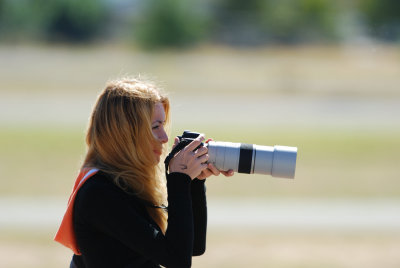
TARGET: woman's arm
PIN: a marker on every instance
(199, 206)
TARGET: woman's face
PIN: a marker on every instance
(157, 127)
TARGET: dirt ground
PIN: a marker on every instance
(240, 248)
(263, 249)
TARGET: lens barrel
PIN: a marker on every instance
(277, 161)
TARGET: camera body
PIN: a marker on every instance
(187, 137)
(277, 161)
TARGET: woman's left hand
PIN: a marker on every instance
(212, 170)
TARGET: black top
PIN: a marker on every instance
(113, 228)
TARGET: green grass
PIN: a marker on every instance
(39, 161)
(44, 161)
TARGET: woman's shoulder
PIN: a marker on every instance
(99, 186)
(100, 180)
(99, 194)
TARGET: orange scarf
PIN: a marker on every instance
(66, 234)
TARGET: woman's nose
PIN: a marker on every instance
(163, 137)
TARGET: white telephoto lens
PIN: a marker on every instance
(277, 161)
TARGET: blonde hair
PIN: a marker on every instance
(120, 141)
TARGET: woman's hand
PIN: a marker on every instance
(212, 170)
(188, 160)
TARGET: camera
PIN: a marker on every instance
(277, 161)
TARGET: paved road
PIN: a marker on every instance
(275, 214)
(218, 110)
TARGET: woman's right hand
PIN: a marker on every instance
(188, 160)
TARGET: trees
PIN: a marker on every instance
(65, 20)
(382, 18)
(180, 23)
(169, 23)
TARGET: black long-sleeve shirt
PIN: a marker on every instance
(113, 228)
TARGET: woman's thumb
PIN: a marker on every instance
(176, 141)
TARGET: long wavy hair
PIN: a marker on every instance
(120, 141)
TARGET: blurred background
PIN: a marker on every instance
(320, 75)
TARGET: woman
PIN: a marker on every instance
(116, 215)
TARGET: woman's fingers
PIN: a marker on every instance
(203, 159)
(201, 151)
(213, 169)
(228, 173)
(195, 143)
(204, 174)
